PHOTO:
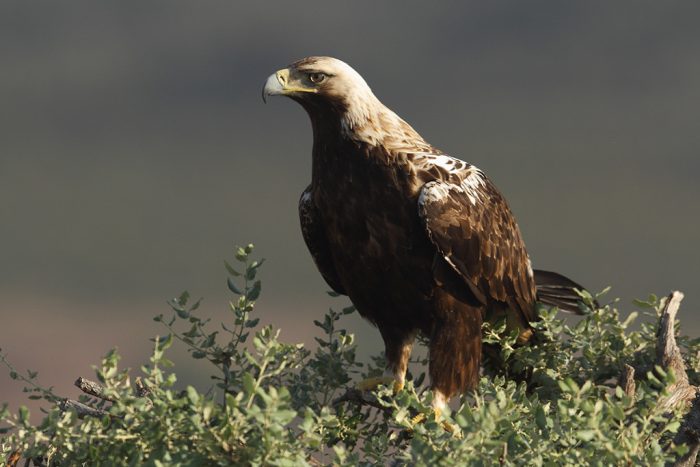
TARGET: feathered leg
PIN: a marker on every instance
(455, 356)
(455, 350)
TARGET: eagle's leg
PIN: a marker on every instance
(397, 348)
(455, 357)
(455, 351)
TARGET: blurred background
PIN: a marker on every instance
(135, 153)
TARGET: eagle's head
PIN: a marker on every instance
(336, 97)
(317, 81)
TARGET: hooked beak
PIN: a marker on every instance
(279, 84)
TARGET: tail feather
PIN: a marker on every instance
(556, 290)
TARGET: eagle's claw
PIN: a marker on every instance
(449, 427)
(371, 384)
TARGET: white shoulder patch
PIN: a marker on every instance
(433, 191)
(473, 184)
(448, 163)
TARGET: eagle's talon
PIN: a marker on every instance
(449, 427)
(420, 418)
(452, 429)
(371, 384)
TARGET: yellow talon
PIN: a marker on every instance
(420, 418)
(447, 426)
(370, 384)
(398, 386)
(451, 429)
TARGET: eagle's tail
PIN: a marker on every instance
(556, 290)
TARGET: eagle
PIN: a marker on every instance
(420, 241)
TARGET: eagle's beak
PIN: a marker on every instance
(274, 86)
(280, 84)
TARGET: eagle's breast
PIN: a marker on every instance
(368, 199)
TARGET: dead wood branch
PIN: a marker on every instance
(13, 459)
(670, 358)
(668, 355)
(689, 434)
(627, 381)
(81, 409)
(681, 392)
(141, 389)
(93, 389)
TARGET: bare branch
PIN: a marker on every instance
(689, 434)
(668, 355)
(92, 388)
(141, 389)
(627, 381)
(81, 409)
(13, 459)
(670, 358)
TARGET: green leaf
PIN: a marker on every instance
(165, 344)
(232, 287)
(192, 395)
(182, 299)
(619, 392)
(585, 435)
(254, 292)
(673, 426)
(210, 340)
(541, 418)
(257, 264)
(23, 415)
(248, 383)
(617, 412)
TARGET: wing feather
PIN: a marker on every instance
(470, 223)
(316, 241)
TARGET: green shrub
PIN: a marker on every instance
(272, 403)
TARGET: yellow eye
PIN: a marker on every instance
(317, 78)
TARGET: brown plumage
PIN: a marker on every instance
(421, 242)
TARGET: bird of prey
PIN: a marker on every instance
(420, 241)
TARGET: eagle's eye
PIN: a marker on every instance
(317, 78)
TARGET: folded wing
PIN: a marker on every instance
(471, 226)
(316, 242)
